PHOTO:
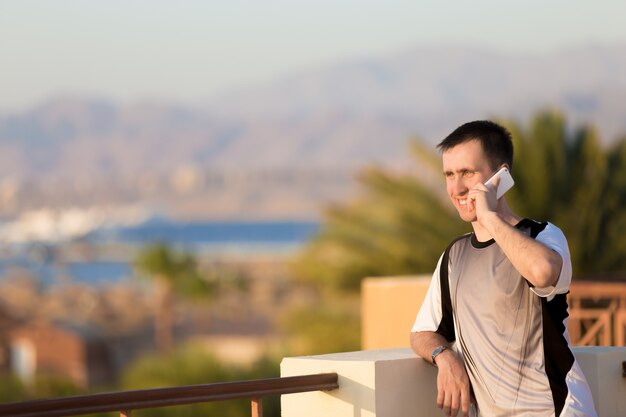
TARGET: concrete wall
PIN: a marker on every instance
(371, 383)
(603, 369)
(396, 383)
(388, 309)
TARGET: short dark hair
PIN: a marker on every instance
(495, 140)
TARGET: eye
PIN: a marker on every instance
(467, 173)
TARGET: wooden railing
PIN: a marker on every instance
(125, 402)
(597, 313)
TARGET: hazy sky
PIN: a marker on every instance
(189, 50)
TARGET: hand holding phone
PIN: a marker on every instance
(505, 184)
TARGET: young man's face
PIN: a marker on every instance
(464, 166)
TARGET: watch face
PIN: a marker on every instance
(436, 352)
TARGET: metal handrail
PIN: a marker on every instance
(126, 401)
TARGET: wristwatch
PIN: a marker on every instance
(436, 352)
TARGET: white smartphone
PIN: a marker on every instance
(506, 181)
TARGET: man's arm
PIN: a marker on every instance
(540, 265)
(453, 387)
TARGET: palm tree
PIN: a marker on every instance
(402, 223)
(173, 273)
(578, 184)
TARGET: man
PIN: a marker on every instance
(494, 319)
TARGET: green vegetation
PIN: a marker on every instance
(12, 389)
(570, 179)
(186, 365)
(190, 365)
(42, 386)
(331, 326)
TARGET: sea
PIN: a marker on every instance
(202, 238)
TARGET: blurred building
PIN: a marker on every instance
(6, 322)
(61, 350)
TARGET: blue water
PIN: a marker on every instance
(199, 237)
(220, 233)
(98, 272)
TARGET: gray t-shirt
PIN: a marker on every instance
(513, 337)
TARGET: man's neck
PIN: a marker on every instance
(504, 213)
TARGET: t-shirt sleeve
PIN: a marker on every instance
(554, 238)
(430, 313)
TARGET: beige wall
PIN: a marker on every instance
(388, 309)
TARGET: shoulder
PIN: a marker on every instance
(456, 241)
(547, 230)
(548, 234)
(459, 239)
(552, 236)
(533, 227)
(541, 230)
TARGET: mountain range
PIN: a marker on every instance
(340, 116)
